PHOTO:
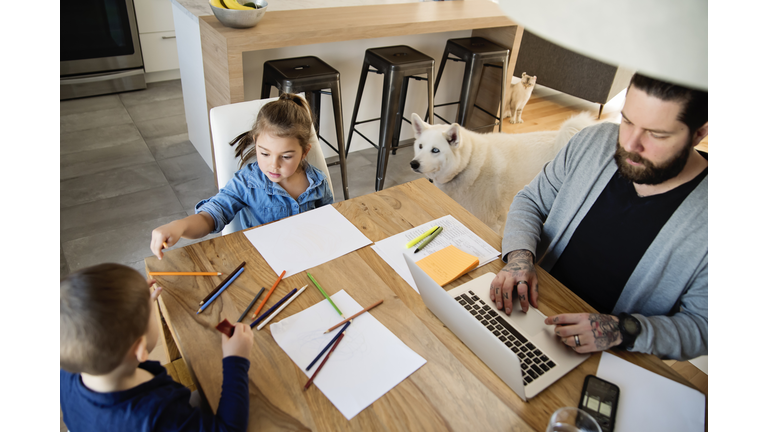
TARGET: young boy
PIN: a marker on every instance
(106, 382)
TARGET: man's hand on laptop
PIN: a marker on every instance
(519, 275)
(586, 332)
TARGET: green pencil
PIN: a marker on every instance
(325, 295)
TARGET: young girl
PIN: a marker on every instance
(279, 184)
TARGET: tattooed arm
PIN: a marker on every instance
(596, 332)
(519, 275)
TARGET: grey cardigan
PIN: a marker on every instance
(667, 291)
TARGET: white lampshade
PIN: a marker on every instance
(665, 39)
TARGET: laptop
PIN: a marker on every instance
(520, 349)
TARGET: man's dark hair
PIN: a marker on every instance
(694, 104)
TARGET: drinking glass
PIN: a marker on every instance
(570, 419)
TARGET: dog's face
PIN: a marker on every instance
(434, 148)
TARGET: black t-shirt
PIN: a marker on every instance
(613, 237)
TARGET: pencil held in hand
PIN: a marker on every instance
(355, 316)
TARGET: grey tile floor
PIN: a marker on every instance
(127, 166)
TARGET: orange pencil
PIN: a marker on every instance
(263, 302)
(355, 315)
(184, 273)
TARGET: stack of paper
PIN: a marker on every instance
(454, 233)
(306, 240)
(369, 361)
(447, 264)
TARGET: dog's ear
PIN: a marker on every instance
(418, 124)
(452, 135)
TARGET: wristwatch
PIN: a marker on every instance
(630, 328)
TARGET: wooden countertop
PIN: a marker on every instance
(311, 26)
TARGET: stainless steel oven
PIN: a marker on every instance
(99, 49)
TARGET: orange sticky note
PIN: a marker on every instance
(447, 264)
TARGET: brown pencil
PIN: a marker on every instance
(355, 315)
(215, 290)
(309, 383)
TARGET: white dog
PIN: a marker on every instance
(484, 172)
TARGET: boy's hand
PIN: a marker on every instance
(169, 233)
(239, 344)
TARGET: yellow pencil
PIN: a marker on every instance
(411, 243)
(184, 273)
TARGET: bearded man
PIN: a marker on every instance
(620, 218)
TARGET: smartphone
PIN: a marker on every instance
(600, 399)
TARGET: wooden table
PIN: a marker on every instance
(454, 390)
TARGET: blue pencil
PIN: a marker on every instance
(202, 308)
(329, 344)
(277, 305)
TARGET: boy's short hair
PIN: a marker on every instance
(104, 310)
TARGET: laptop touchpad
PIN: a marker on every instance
(530, 323)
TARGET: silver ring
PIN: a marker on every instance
(518, 283)
(576, 338)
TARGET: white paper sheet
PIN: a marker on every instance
(306, 240)
(368, 362)
(454, 233)
(650, 402)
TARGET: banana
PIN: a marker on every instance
(219, 4)
(233, 4)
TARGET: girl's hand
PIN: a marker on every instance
(239, 344)
(169, 234)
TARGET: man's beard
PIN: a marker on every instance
(650, 174)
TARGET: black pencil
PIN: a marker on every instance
(245, 312)
(215, 290)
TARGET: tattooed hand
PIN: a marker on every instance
(519, 275)
(596, 332)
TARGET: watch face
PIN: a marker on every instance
(631, 325)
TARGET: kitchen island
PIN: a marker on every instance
(221, 65)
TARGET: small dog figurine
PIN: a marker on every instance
(517, 97)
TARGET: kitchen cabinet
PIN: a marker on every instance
(158, 38)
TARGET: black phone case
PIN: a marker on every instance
(604, 427)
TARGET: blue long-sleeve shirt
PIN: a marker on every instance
(159, 404)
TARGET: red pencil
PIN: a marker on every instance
(263, 302)
(309, 383)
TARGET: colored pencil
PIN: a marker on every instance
(245, 312)
(421, 237)
(208, 303)
(184, 273)
(325, 295)
(275, 306)
(309, 383)
(328, 346)
(427, 240)
(165, 245)
(221, 284)
(355, 316)
(269, 318)
(263, 302)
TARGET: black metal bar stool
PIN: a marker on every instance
(310, 75)
(477, 53)
(399, 64)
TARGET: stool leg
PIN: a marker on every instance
(399, 116)
(337, 116)
(266, 87)
(503, 97)
(360, 87)
(389, 106)
(437, 83)
(313, 99)
(469, 87)
(431, 90)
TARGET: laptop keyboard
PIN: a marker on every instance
(533, 362)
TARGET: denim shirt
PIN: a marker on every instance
(256, 200)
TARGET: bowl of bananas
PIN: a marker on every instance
(234, 14)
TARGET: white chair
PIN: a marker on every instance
(229, 121)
